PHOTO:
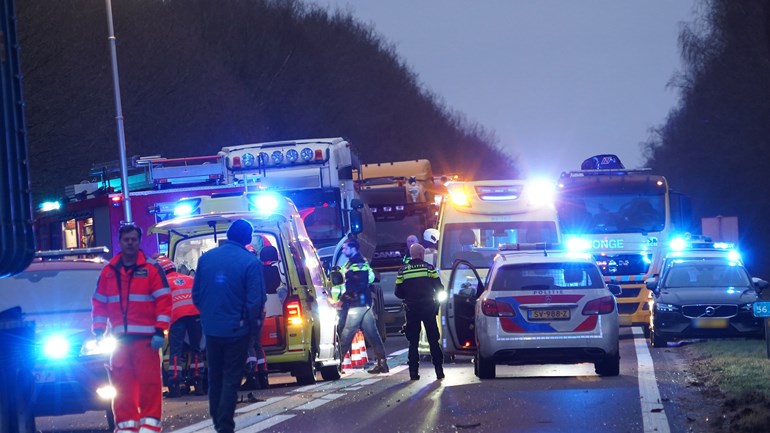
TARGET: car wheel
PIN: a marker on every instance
(332, 372)
(656, 340)
(305, 372)
(484, 367)
(609, 366)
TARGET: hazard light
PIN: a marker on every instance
(293, 311)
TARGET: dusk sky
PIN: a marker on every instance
(556, 80)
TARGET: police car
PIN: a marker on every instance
(538, 305)
(69, 371)
(704, 291)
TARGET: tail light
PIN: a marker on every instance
(293, 311)
(603, 305)
(492, 308)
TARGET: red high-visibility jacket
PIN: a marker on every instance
(134, 300)
(181, 296)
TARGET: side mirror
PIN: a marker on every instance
(356, 203)
(431, 235)
(651, 283)
(615, 289)
(337, 278)
(356, 221)
(759, 283)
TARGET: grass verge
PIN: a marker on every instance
(738, 372)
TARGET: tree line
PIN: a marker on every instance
(715, 145)
(197, 75)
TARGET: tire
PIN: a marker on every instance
(484, 367)
(330, 373)
(609, 366)
(305, 372)
(656, 340)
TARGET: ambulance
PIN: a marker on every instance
(298, 334)
(475, 219)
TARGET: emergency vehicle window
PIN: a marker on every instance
(479, 242)
(299, 265)
(322, 222)
(49, 291)
(610, 209)
(313, 263)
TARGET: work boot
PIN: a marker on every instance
(262, 379)
(200, 385)
(381, 367)
(439, 372)
(413, 375)
(173, 389)
(251, 383)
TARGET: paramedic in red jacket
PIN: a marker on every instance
(185, 321)
(133, 298)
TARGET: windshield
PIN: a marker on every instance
(49, 291)
(478, 242)
(394, 229)
(706, 274)
(606, 208)
(320, 211)
(544, 276)
(188, 251)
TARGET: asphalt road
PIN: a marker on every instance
(540, 398)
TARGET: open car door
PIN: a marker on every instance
(464, 287)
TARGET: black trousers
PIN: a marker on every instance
(425, 316)
(227, 359)
(189, 326)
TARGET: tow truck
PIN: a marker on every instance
(626, 219)
(299, 332)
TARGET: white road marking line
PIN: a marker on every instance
(312, 404)
(196, 427)
(266, 424)
(260, 404)
(649, 395)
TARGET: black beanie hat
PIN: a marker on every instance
(240, 231)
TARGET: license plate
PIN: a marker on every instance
(710, 323)
(44, 376)
(548, 314)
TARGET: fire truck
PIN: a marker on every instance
(401, 197)
(315, 173)
(626, 219)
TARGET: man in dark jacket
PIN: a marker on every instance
(229, 291)
(418, 284)
(357, 302)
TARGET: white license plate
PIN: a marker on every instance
(44, 376)
(550, 314)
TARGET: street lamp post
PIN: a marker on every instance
(119, 117)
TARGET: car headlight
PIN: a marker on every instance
(666, 307)
(104, 346)
(441, 296)
(56, 347)
(747, 307)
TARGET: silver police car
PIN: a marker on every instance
(540, 306)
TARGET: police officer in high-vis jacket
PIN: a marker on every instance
(418, 284)
(357, 303)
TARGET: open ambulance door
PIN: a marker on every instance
(464, 287)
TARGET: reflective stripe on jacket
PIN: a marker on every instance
(417, 283)
(134, 300)
(358, 276)
(181, 296)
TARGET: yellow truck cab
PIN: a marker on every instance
(298, 335)
(475, 219)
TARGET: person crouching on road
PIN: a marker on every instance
(418, 284)
(185, 321)
(357, 301)
(132, 294)
(229, 291)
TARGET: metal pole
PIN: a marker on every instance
(119, 117)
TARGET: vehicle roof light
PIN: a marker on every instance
(677, 244)
(186, 207)
(457, 194)
(734, 256)
(498, 193)
(578, 244)
(541, 192)
(292, 155)
(277, 157)
(248, 160)
(306, 154)
(48, 206)
(263, 202)
(319, 155)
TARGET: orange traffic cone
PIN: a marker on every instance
(355, 351)
(346, 364)
(362, 348)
